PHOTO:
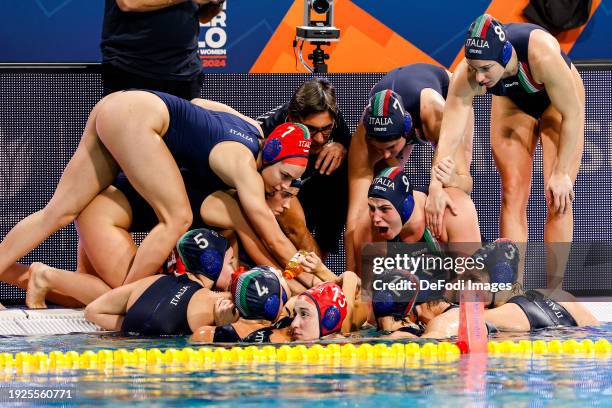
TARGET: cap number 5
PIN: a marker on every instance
(201, 241)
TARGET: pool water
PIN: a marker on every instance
(536, 381)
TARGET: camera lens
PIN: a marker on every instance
(320, 6)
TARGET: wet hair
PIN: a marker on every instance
(314, 96)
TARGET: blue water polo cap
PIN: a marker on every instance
(385, 119)
(501, 260)
(258, 294)
(394, 293)
(392, 184)
(202, 252)
(487, 40)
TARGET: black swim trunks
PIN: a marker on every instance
(162, 307)
(543, 312)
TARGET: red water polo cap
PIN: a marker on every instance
(331, 305)
(289, 142)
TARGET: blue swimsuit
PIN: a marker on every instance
(194, 131)
(408, 81)
(162, 308)
(521, 88)
(543, 312)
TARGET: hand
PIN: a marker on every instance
(225, 312)
(330, 158)
(560, 192)
(310, 262)
(435, 206)
(444, 171)
(208, 9)
(349, 277)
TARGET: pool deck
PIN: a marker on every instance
(20, 321)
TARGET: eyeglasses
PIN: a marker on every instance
(325, 130)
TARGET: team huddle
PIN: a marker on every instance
(241, 213)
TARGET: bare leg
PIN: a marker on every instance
(19, 275)
(16, 275)
(81, 286)
(83, 263)
(90, 170)
(513, 141)
(156, 178)
(103, 224)
(105, 245)
(559, 228)
(361, 234)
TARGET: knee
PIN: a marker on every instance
(515, 193)
(180, 220)
(106, 111)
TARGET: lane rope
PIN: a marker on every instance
(312, 354)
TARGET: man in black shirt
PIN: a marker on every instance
(323, 197)
(153, 44)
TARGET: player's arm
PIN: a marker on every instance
(235, 165)
(549, 68)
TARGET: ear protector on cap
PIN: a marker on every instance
(407, 125)
(506, 53)
(257, 294)
(289, 143)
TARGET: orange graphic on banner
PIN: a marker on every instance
(367, 45)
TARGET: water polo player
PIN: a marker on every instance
(125, 131)
(538, 96)
(405, 109)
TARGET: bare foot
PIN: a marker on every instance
(37, 286)
(2, 306)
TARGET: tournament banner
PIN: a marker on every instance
(258, 36)
(212, 47)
